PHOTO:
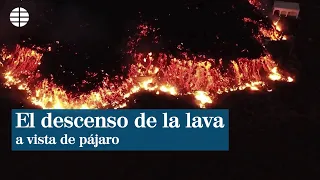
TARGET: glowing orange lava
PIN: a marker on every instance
(256, 3)
(203, 78)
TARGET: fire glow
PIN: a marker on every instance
(202, 78)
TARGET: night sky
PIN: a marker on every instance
(272, 135)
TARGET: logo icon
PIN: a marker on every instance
(19, 17)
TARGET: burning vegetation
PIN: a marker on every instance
(198, 76)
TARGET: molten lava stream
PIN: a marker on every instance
(205, 79)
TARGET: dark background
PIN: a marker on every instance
(272, 135)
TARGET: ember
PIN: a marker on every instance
(203, 78)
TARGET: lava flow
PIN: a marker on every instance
(203, 78)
